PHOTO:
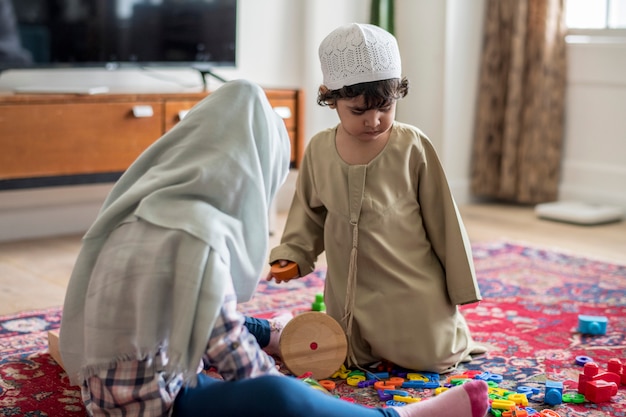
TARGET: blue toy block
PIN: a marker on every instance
(554, 393)
(592, 324)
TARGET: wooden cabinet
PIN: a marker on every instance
(55, 139)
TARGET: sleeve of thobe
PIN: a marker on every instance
(445, 229)
(303, 236)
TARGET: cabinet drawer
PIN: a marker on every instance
(69, 139)
(285, 107)
(174, 111)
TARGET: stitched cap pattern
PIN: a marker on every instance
(358, 53)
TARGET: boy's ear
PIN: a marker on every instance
(322, 91)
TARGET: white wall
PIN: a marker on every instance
(440, 43)
(594, 160)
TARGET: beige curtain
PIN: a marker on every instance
(519, 122)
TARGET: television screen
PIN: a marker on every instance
(196, 33)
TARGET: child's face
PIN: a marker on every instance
(362, 123)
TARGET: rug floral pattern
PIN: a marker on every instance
(528, 319)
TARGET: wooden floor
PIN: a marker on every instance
(34, 274)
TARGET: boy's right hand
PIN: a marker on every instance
(283, 271)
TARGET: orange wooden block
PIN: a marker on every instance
(53, 346)
(284, 273)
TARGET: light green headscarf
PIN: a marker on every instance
(214, 176)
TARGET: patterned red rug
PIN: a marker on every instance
(528, 318)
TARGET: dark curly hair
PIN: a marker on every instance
(377, 94)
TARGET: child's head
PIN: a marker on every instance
(361, 59)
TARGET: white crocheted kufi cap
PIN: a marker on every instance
(359, 53)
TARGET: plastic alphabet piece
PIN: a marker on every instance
(420, 384)
(549, 413)
(519, 399)
(499, 392)
(314, 384)
(397, 392)
(527, 390)
(384, 385)
(554, 393)
(382, 396)
(365, 384)
(423, 376)
(354, 380)
(518, 412)
(328, 384)
(593, 325)
(499, 404)
(600, 391)
(488, 376)
(405, 399)
(421, 380)
(392, 403)
(396, 381)
(342, 373)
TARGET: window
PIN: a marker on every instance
(596, 14)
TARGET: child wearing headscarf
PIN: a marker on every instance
(372, 194)
(179, 241)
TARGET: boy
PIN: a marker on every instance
(372, 194)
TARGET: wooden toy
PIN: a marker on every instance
(313, 342)
(284, 273)
(53, 346)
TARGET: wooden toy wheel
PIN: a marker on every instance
(313, 342)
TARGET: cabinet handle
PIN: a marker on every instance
(283, 111)
(182, 114)
(143, 111)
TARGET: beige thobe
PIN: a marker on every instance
(411, 259)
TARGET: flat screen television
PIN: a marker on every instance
(107, 33)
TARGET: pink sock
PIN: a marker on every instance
(277, 324)
(468, 400)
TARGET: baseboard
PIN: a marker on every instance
(56, 211)
(46, 212)
(593, 183)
